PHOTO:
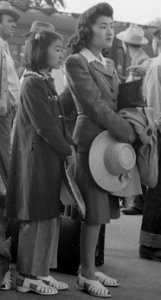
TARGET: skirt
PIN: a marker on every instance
(100, 205)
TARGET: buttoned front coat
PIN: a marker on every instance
(94, 88)
(39, 148)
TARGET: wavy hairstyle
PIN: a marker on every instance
(83, 33)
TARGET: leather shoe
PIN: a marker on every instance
(132, 210)
(150, 253)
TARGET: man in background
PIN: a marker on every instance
(132, 41)
(9, 98)
(150, 236)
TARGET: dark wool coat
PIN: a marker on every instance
(94, 89)
(39, 148)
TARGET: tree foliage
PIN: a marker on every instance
(156, 22)
(38, 4)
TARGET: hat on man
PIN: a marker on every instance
(111, 162)
(134, 35)
(38, 26)
(7, 9)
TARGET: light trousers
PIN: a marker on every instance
(37, 247)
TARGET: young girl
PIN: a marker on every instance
(93, 82)
(40, 147)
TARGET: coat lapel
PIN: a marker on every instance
(101, 68)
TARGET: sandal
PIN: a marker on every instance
(25, 284)
(93, 287)
(7, 282)
(59, 285)
(106, 280)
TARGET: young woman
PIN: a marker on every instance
(93, 82)
(40, 147)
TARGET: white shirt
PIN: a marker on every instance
(12, 77)
(152, 87)
(91, 57)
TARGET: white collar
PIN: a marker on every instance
(91, 57)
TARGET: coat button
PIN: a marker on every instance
(38, 131)
(149, 132)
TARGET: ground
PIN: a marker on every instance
(139, 279)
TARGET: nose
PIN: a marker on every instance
(62, 55)
(14, 24)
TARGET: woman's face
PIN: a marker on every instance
(103, 33)
(55, 54)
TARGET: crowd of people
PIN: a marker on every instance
(35, 142)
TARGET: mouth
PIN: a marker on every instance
(109, 39)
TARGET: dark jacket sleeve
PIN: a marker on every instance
(34, 97)
(89, 95)
(67, 102)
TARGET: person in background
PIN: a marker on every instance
(93, 82)
(150, 236)
(40, 147)
(9, 99)
(132, 41)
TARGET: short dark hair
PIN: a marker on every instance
(83, 31)
(35, 56)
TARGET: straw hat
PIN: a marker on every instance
(70, 193)
(111, 162)
(7, 9)
(134, 35)
(38, 26)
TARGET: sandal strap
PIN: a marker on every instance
(93, 287)
(7, 281)
(25, 284)
(59, 285)
(106, 280)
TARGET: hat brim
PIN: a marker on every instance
(27, 34)
(102, 177)
(122, 37)
(70, 193)
(11, 13)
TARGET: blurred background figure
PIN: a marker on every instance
(150, 236)
(133, 41)
(9, 99)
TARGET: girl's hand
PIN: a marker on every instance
(71, 162)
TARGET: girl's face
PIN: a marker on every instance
(103, 33)
(55, 54)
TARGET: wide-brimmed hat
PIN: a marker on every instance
(134, 35)
(111, 162)
(70, 193)
(38, 26)
(7, 9)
